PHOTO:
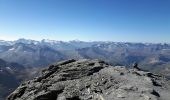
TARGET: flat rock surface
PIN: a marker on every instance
(92, 80)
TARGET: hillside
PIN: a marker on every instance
(11, 75)
(92, 80)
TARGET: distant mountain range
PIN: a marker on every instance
(30, 56)
(31, 53)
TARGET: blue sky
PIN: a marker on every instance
(87, 20)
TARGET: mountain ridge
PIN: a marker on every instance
(31, 41)
(41, 54)
(90, 80)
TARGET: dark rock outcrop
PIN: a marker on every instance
(92, 80)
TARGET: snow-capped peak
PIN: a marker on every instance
(50, 41)
(26, 41)
(3, 42)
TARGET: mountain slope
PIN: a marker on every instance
(92, 80)
(11, 75)
(31, 55)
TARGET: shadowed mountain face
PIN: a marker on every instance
(12, 74)
(10, 77)
(92, 80)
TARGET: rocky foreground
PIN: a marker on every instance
(92, 80)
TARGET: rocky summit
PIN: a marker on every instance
(92, 80)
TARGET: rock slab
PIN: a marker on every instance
(92, 80)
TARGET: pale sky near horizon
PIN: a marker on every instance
(87, 20)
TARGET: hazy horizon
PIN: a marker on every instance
(84, 41)
(146, 21)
